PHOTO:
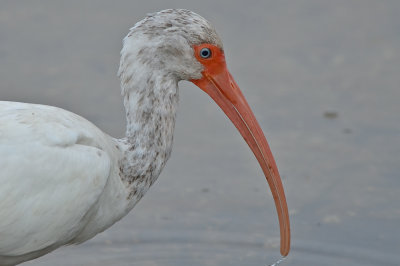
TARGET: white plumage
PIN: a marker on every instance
(55, 169)
(63, 180)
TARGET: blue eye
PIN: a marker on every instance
(205, 53)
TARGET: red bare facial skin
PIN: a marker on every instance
(219, 84)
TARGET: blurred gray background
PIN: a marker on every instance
(322, 77)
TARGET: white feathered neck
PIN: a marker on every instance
(150, 100)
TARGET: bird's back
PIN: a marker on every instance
(54, 168)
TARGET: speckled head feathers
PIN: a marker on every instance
(163, 42)
(191, 26)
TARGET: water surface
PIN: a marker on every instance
(323, 80)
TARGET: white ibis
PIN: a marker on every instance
(62, 180)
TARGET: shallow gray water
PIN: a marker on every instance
(323, 80)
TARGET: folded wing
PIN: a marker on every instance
(52, 171)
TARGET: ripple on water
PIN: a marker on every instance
(199, 248)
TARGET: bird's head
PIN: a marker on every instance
(184, 46)
(165, 41)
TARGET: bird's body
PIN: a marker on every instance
(60, 180)
(74, 180)
(63, 180)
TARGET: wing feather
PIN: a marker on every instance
(49, 178)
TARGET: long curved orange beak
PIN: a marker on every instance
(219, 84)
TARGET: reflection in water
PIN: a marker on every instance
(278, 261)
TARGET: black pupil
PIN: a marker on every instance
(205, 52)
